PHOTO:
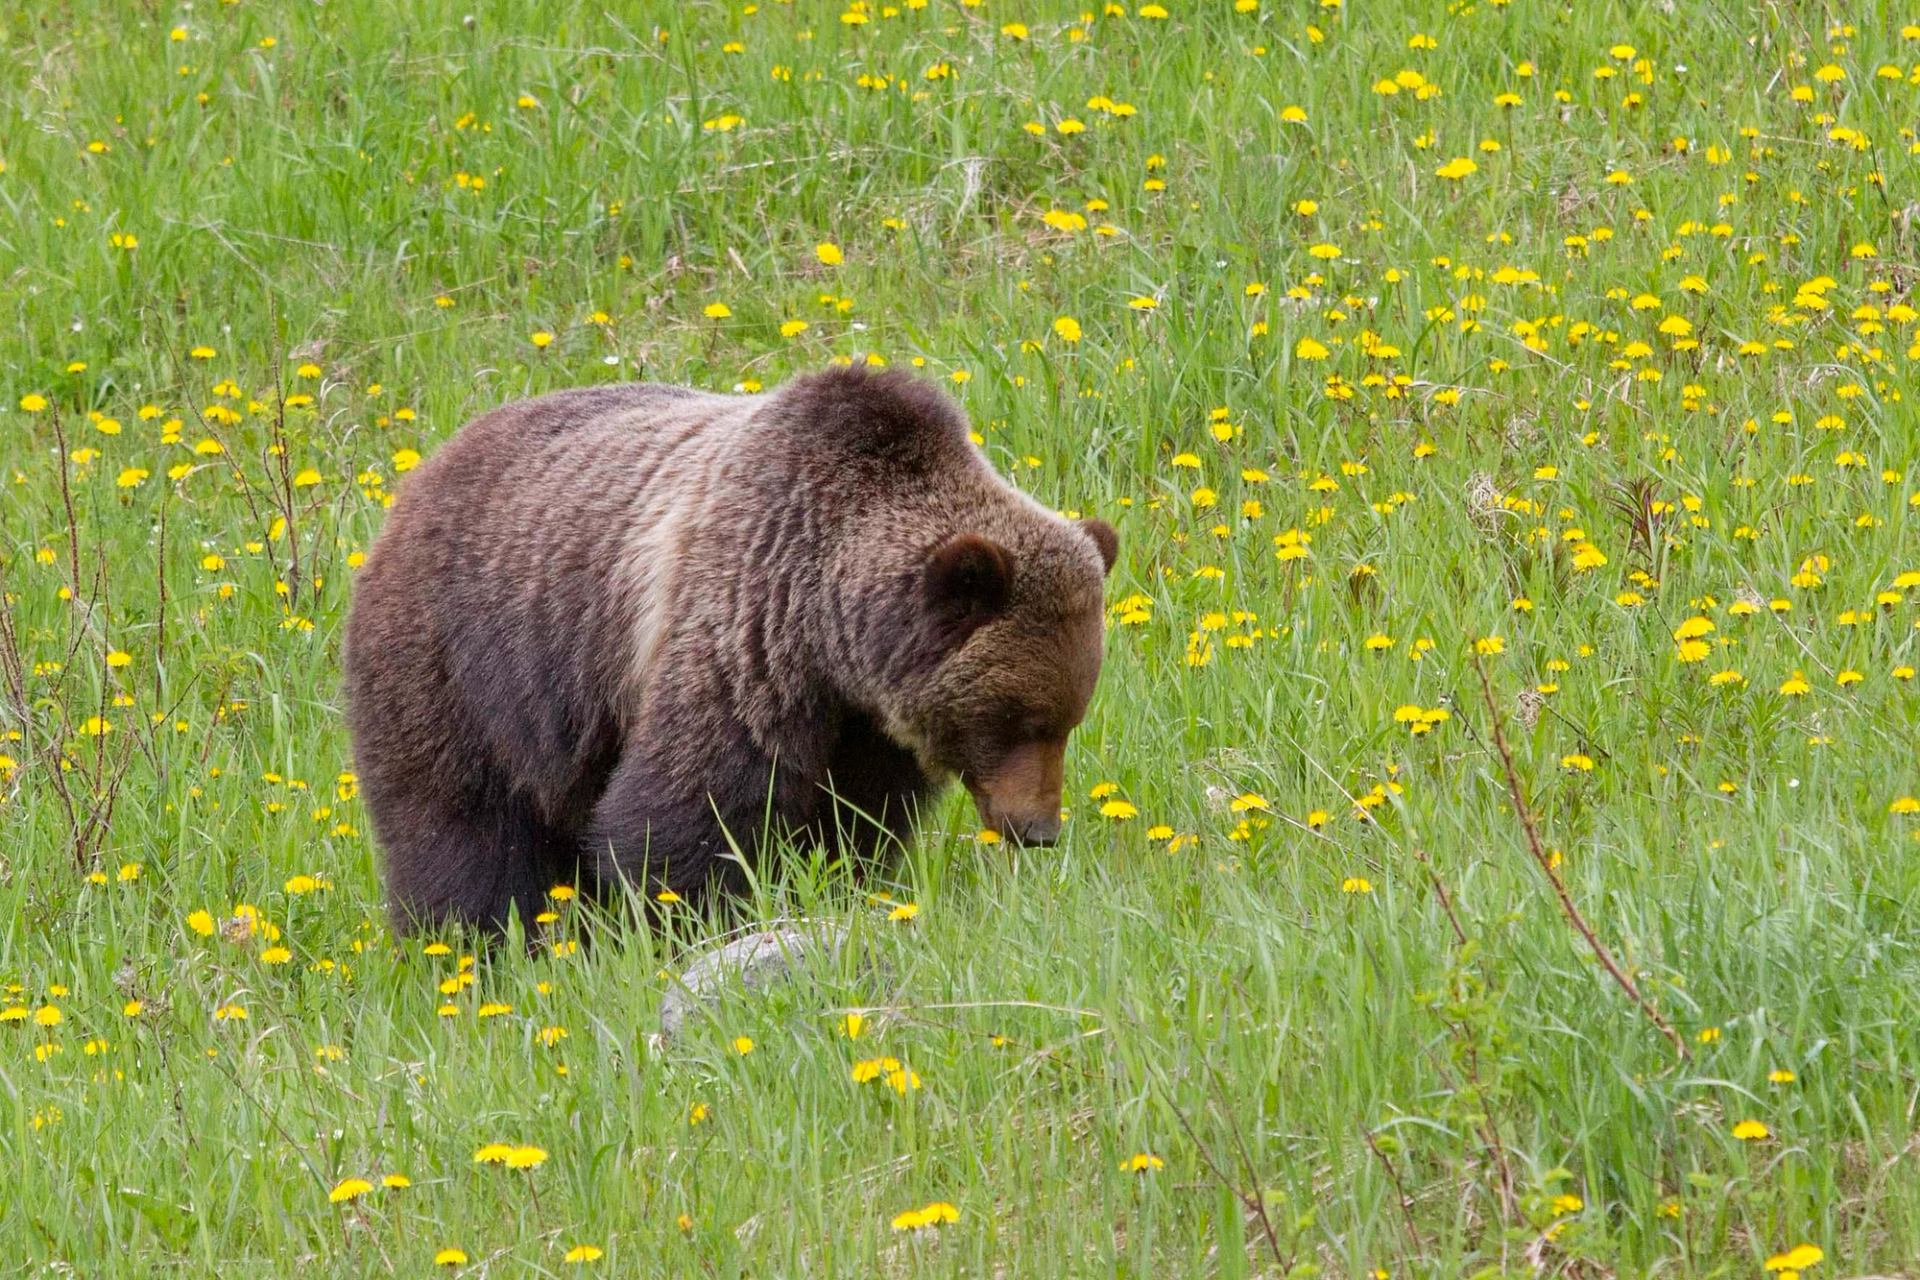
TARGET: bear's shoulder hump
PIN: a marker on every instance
(871, 411)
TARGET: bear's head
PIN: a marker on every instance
(1020, 629)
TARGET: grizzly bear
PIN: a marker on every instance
(625, 631)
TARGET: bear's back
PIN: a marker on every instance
(563, 465)
(504, 595)
(616, 419)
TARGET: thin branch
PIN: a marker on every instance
(1552, 873)
(1254, 1202)
(1470, 1054)
(12, 663)
(1440, 892)
(160, 610)
(66, 501)
(1400, 1191)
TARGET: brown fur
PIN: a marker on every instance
(608, 630)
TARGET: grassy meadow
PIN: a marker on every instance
(1568, 343)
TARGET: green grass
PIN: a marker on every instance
(1592, 375)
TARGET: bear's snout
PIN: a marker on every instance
(1021, 797)
(1040, 831)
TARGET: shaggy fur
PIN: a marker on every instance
(606, 630)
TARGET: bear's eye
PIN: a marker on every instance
(1010, 725)
(1030, 729)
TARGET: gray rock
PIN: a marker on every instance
(754, 961)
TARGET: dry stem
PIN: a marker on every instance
(1552, 872)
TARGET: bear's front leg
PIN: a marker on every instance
(678, 804)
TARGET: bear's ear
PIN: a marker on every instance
(1104, 538)
(967, 583)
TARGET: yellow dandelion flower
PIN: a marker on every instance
(348, 1189)
(1796, 1259)
(931, 1215)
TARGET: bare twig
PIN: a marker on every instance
(1400, 1193)
(283, 494)
(1470, 1053)
(12, 663)
(1255, 1203)
(160, 609)
(1440, 892)
(1552, 873)
(66, 501)
(1246, 1159)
